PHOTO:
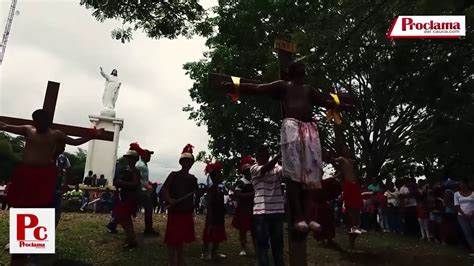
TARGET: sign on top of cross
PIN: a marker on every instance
(49, 105)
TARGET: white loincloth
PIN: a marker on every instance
(301, 152)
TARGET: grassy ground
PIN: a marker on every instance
(83, 240)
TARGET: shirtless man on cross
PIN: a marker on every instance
(34, 182)
(300, 143)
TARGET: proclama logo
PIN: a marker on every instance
(428, 27)
(32, 245)
(32, 231)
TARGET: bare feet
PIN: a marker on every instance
(314, 226)
(301, 226)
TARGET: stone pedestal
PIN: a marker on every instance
(102, 155)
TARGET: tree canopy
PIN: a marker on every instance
(157, 18)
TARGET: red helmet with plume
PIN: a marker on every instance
(187, 152)
(246, 162)
(135, 147)
(211, 167)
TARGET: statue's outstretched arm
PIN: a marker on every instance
(104, 75)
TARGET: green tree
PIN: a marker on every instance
(157, 18)
(11, 149)
(78, 163)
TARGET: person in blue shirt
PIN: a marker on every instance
(145, 199)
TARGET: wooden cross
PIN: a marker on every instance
(285, 50)
(49, 105)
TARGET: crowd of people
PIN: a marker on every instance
(432, 211)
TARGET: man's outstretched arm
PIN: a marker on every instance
(79, 141)
(19, 130)
(326, 101)
(270, 164)
(271, 89)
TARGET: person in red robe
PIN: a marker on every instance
(128, 184)
(214, 228)
(178, 191)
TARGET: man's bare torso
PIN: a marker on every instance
(297, 101)
(40, 149)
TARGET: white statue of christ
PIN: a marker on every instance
(112, 86)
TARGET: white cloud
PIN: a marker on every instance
(62, 41)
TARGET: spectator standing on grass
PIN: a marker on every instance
(464, 203)
(268, 209)
(382, 208)
(3, 187)
(448, 232)
(423, 217)
(408, 192)
(393, 208)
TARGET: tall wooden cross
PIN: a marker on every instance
(49, 105)
(285, 50)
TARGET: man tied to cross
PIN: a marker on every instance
(34, 182)
(300, 144)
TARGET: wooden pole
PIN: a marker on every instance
(50, 98)
(296, 240)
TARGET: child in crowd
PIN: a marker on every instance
(393, 202)
(128, 183)
(244, 194)
(352, 195)
(178, 191)
(423, 217)
(214, 229)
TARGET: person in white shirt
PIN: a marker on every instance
(464, 204)
(268, 209)
(393, 204)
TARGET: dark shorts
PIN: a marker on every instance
(243, 219)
